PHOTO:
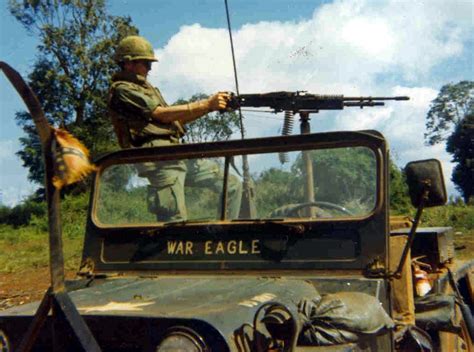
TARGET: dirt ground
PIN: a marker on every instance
(24, 287)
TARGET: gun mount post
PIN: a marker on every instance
(305, 128)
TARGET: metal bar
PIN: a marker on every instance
(28, 340)
(55, 295)
(305, 128)
(56, 258)
(225, 187)
(67, 310)
(411, 235)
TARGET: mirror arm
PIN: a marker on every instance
(411, 235)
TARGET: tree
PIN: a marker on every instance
(453, 103)
(399, 199)
(212, 127)
(276, 188)
(449, 113)
(71, 73)
(352, 171)
(461, 145)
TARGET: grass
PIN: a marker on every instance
(27, 247)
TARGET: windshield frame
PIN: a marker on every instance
(369, 139)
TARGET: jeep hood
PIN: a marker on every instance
(225, 303)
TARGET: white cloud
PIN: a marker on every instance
(7, 149)
(14, 186)
(347, 46)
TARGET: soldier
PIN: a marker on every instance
(142, 118)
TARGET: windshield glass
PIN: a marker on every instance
(312, 184)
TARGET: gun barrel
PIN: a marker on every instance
(364, 103)
(302, 101)
(375, 98)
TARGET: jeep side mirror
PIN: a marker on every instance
(422, 176)
(426, 187)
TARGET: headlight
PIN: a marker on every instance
(4, 344)
(182, 339)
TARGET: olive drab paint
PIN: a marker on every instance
(134, 48)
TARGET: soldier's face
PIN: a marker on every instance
(140, 67)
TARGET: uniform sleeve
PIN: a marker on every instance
(133, 102)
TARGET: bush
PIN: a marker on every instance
(74, 215)
(22, 214)
(459, 216)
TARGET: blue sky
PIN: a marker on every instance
(350, 47)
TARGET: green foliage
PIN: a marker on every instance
(454, 107)
(26, 245)
(22, 214)
(461, 145)
(342, 169)
(450, 107)
(74, 210)
(119, 202)
(400, 203)
(275, 188)
(122, 206)
(71, 72)
(211, 127)
(202, 204)
(343, 176)
(459, 216)
(335, 174)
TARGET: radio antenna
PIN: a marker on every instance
(241, 119)
(247, 209)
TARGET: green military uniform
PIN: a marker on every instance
(131, 102)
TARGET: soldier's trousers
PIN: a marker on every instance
(166, 193)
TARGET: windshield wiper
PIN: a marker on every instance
(186, 222)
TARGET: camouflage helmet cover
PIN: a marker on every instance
(134, 48)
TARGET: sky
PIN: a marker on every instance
(376, 48)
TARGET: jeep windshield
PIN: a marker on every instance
(314, 184)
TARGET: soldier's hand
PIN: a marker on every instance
(219, 101)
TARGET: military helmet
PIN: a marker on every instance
(134, 47)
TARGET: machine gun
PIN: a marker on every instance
(301, 101)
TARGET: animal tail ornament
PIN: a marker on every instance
(71, 157)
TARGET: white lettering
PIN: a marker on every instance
(207, 248)
(180, 247)
(189, 247)
(232, 247)
(219, 248)
(255, 247)
(171, 247)
(242, 250)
